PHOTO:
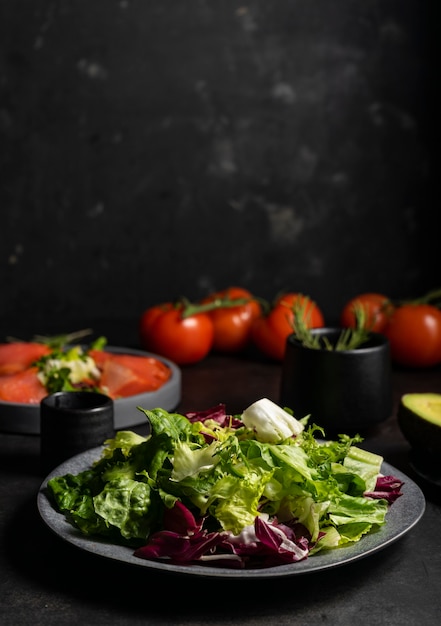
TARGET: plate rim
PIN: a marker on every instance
(405, 518)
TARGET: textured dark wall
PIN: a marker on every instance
(156, 148)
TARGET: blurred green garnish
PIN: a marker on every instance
(349, 338)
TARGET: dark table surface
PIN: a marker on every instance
(45, 580)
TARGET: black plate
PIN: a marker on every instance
(18, 417)
(402, 516)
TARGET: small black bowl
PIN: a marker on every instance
(73, 422)
(345, 391)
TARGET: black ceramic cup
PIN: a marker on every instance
(72, 422)
(346, 391)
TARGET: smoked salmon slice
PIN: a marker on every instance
(19, 355)
(22, 387)
(121, 375)
(125, 375)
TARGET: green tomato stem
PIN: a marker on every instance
(190, 308)
(433, 297)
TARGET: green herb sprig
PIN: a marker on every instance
(349, 338)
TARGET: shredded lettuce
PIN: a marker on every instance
(209, 487)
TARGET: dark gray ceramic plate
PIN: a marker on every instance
(24, 418)
(403, 515)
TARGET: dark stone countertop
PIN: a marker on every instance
(45, 580)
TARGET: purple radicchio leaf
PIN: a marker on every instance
(387, 488)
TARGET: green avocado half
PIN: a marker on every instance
(419, 417)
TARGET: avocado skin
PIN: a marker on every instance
(424, 435)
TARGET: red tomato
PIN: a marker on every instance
(232, 324)
(265, 339)
(184, 340)
(270, 335)
(146, 322)
(414, 333)
(377, 309)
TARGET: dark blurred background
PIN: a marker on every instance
(151, 149)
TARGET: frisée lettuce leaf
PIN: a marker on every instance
(250, 490)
